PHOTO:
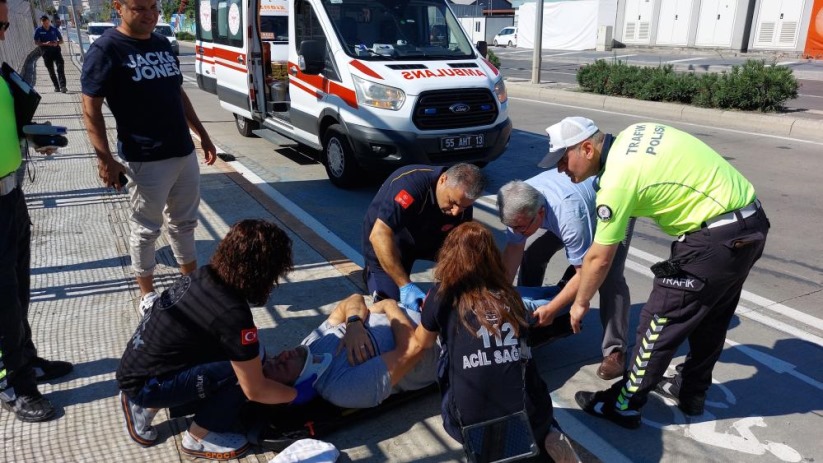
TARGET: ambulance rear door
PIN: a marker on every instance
(230, 57)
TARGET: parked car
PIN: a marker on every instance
(96, 30)
(507, 37)
(166, 31)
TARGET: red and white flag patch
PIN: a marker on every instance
(404, 199)
(248, 336)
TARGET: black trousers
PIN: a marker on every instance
(52, 57)
(696, 305)
(16, 347)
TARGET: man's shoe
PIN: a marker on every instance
(216, 445)
(57, 89)
(559, 448)
(147, 301)
(138, 422)
(31, 408)
(64, 89)
(690, 405)
(47, 370)
(612, 366)
(599, 404)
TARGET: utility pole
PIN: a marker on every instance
(76, 28)
(538, 42)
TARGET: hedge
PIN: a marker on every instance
(751, 86)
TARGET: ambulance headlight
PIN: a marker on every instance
(500, 91)
(378, 95)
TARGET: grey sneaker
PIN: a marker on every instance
(559, 448)
(138, 421)
(216, 445)
(147, 301)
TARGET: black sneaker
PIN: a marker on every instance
(690, 405)
(595, 403)
(63, 90)
(46, 370)
(31, 408)
(57, 89)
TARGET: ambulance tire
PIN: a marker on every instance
(338, 157)
(245, 126)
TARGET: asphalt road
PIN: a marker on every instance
(767, 402)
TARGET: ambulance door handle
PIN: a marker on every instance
(241, 60)
(293, 70)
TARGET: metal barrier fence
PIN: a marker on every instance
(19, 43)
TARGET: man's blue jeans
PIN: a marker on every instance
(211, 388)
(536, 296)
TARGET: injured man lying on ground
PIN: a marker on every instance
(358, 355)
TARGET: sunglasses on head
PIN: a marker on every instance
(4, 25)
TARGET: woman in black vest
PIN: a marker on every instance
(485, 372)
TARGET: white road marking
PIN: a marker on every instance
(711, 127)
(683, 60)
(774, 306)
(775, 364)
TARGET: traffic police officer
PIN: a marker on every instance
(20, 367)
(408, 219)
(691, 192)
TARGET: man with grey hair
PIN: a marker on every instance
(408, 219)
(547, 213)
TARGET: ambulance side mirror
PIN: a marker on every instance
(483, 48)
(311, 56)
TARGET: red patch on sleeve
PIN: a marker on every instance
(404, 199)
(446, 227)
(248, 336)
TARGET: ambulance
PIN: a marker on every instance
(370, 84)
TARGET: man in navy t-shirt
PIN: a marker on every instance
(409, 218)
(48, 38)
(131, 67)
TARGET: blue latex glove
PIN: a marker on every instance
(411, 297)
(305, 391)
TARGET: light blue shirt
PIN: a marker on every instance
(570, 213)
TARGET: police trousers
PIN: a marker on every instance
(16, 347)
(695, 305)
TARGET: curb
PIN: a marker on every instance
(780, 125)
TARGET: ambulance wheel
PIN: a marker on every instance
(338, 158)
(245, 126)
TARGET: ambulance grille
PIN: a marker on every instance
(435, 110)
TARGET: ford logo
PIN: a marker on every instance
(459, 108)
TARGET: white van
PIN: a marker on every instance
(95, 30)
(507, 37)
(166, 31)
(370, 83)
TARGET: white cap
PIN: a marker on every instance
(568, 132)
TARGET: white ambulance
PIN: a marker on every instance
(372, 84)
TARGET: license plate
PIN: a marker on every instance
(462, 142)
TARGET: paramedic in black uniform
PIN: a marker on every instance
(408, 219)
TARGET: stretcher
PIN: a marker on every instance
(275, 427)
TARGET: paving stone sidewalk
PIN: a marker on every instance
(84, 306)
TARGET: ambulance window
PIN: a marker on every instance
(206, 13)
(274, 28)
(307, 27)
(230, 23)
(222, 22)
(236, 27)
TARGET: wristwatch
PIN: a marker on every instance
(352, 319)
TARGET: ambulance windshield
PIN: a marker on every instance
(398, 30)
